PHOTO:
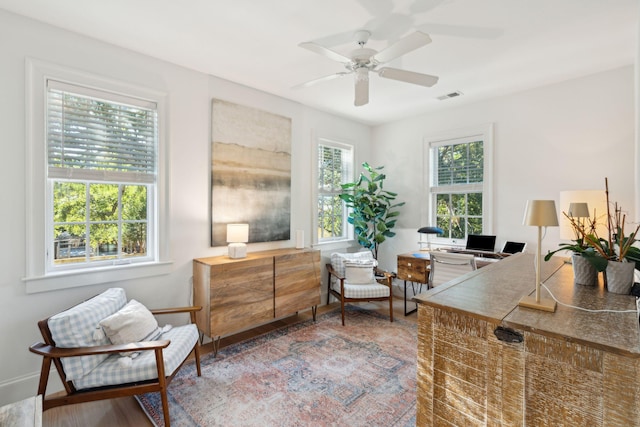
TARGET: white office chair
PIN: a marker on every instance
(446, 266)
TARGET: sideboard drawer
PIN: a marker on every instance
(413, 269)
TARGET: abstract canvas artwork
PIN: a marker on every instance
(250, 172)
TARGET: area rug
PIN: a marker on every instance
(310, 373)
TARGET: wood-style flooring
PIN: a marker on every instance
(125, 411)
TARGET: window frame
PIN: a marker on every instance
(457, 136)
(38, 276)
(348, 176)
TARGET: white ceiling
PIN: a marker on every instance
(483, 48)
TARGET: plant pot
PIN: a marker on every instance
(584, 273)
(619, 277)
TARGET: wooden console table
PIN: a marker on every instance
(571, 367)
(237, 294)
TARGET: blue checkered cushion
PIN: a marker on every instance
(143, 367)
(75, 327)
(339, 261)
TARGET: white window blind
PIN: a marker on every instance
(100, 136)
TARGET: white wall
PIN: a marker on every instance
(189, 95)
(561, 137)
(567, 136)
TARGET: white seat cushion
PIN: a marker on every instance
(75, 327)
(111, 371)
(374, 290)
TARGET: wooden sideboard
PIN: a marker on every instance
(571, 367)
(237, 294)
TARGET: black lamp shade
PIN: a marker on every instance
(430, 230)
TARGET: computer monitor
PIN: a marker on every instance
(481, 242)
(513, 247)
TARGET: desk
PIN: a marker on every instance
(413, 267)
(572, 367)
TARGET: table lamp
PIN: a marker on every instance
(540, 213)
(237, 236)
(578, 210)
(428, 231)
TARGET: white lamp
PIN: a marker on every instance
(541, 213)
(237, 236)
(596, 201)
(578, 210)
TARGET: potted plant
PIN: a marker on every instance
(584, 258)
(373, 210)
(615, 256)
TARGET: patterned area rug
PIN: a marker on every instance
(322, 373)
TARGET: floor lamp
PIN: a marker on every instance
(540, 213)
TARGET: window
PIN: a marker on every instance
(97, 202)
(458, 183)
(101, 152)
(335, 167)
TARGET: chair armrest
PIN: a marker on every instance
(55, 352)
(385, 273)
(176, 310)
(333, 272)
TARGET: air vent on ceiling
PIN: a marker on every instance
(450, 95)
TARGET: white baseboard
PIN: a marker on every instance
(19, 388)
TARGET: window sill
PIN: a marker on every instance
(95, 276)
(335, 245)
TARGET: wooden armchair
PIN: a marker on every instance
(352, 278)
(96, 372)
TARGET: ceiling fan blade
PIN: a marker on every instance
(320, 80)
(462, 31)
(408, 76)
(362, 87)
(328, 53)
(404, 45)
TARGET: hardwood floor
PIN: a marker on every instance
(125, 411)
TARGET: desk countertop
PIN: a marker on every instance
(492, 293)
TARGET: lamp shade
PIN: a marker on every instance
(578, 210)
(541, 213)
(237, 233)
(430, 230)
(596, 201)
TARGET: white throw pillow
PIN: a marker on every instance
(132, 323)
(359, 272)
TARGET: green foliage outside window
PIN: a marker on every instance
(99, 221)
(459, 212)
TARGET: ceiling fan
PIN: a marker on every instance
(364, 60)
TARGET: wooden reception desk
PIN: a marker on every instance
(572, 367)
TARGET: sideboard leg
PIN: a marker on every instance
(314, 310)
(216, 345)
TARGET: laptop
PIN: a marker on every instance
(513, 247)
(481, 243)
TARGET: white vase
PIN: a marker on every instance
(584, 273)
(619, 277)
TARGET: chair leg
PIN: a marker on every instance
(342, 308)
(196, 351)
(162, 380)
(390, 308)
